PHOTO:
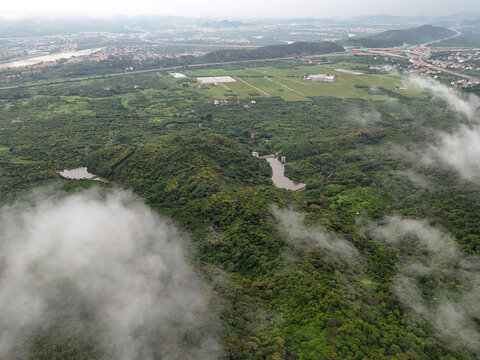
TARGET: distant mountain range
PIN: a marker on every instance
(472, 22)
(36, 27)
(65, 25)
(435, 20)
(225, 24)
(418, 35)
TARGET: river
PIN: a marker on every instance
(45, 58)
(279, 178)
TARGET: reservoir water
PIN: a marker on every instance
(279, 178)
(46, 58)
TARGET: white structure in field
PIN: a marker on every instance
(216, 80)
(351, 72)
(178, 75)
(320, 77)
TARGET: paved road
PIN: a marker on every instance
(410, 48)
(469, 77)
(457, 33)
(421, 62)
(106, 76)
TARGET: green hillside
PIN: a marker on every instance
(277, 292)
(314, 306)
(390, 38)
(274, 51)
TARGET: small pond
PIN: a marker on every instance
(279, 178)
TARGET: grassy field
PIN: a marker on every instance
(268, 81)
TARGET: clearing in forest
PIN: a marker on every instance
(288, 82)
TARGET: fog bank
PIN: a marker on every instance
(364, 116)
(467, 105)
(292, 224)
(103, 266)
(434, 278)
(458, 149)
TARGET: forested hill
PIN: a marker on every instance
(274, 51)
(271, 292)
(411, 36)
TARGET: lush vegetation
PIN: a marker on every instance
(418, 35)
(468, 37)
(274, 51)
(191, 160)
(98, 69)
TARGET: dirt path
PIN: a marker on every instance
(285, 86)
(254, 87)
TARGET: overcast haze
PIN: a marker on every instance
(233, 9)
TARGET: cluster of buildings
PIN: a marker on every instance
(15, 48)
(138, 53)
(461, 68)
(418, 67)
(30, 68)
(28, 62)
(205, 38)
(23, 74)
(436, 71)
(419, 52)
(27, 47)
(283, 159)
(385, 68)
(304, 60)
(130, 52)
(221, 102)
(5, 53)
(464, 83)
(458, 61)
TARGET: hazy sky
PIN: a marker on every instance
(234, 9)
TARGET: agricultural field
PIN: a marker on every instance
(288, 82)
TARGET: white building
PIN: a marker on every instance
(216, 80)
(178, 75)
(320, 77)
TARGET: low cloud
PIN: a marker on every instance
(467, 105)
(101, 265)
(414, 177)
(397, 107)
(364, 116)
(292, 224)
(435, 279)
(458, 149)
